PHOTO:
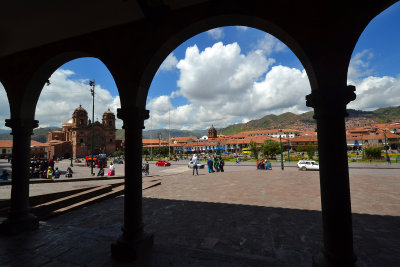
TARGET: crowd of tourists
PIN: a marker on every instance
(264, 165)
(43, 168)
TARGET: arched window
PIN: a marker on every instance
(110, 140)
(110, 123)
(80, 122)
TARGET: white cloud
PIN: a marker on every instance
(223, 85)
(216, 33)
(269, 45)
(242, 28)
(169, 63)
(359, 65)
(4, 108)
(376, 92)
(58, 101)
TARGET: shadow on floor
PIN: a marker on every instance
(189, 233)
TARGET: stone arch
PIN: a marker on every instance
(4, 105)
(42, 74)
(214, 22)
(364, 27)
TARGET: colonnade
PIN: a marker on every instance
(134, 51)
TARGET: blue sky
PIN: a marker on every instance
(228, 75)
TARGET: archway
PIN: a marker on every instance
(5, 150)
(209, 68)
(371, 128)
(71, 128)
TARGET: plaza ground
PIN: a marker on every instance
(242, 217)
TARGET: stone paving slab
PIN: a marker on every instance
(236, 218)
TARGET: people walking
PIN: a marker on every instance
(195, 162)
(221, 165)
(216, 164)
(210, 165)
(146, 168)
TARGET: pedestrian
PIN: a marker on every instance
(57, 173)
(194, 162)
(146, 168)
(101, 171)
(216, 164)
(69, 172)
(237, 160)
(49, 173)
(388, 159)
(210, 165)
(221, 165)
(268, 165)
(111, 170)
(5, 175)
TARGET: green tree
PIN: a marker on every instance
(373, 151)
(271, 148)
(254, 149)
(118, 153)
(310, 149)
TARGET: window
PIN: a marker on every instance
(80, 122)
(110, 123)
(81, 141)
(110, 140)
(3, 151)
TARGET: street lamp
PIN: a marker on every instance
(92, 84)
(280, 141)
(386, 146)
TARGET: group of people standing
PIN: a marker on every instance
(215, 166)
(264, 165)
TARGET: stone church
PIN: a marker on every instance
(75, 136)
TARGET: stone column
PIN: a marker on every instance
(330, 110)
(20, 219)
(134, 240)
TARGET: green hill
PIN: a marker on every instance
(153, 134)
(39, 134)
(305, 120)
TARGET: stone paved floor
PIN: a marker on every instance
(237, 218)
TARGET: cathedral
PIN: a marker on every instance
(76, 136)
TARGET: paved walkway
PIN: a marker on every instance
(238, 218)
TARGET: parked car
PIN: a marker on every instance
(305, 165)
(163, 163)
(199, 165)
(77, 161)
(118, 160)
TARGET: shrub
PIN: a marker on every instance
(373, 151)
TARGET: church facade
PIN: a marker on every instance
(75, 138)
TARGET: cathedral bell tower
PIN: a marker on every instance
(109, 119)
(80, 117)
(212, 132)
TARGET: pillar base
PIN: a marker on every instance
(321, 260)
(130, 249)
(17, 224)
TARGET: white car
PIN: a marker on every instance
(199, 165)
(305, 165)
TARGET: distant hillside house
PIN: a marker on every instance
(76, 136)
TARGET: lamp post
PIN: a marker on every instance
(280, 141)
(72, 152)
(386, 146)
(92, 84)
